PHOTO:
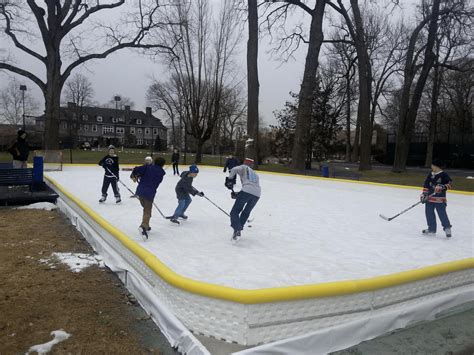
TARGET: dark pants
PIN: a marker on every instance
(430, 208)
(110, 181)
(175, 168)
(182, 207)
(243, 205)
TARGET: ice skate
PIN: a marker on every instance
(236, 237)
(103, 198)
(428, 232)
(118, 199)
(183, 216)
(144, 232)
(174, 220)
(448, 232)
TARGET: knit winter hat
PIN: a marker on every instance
(248, 161)
(193, 169)
(148, 158)
(20, 132)
(111, 147)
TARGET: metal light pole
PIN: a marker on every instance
(117, 99)
(23, 89)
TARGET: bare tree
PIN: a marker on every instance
(252, 82)
(308, 85)
(203, 70)
(11, 103)
(78, 89)
(414, 68)
(61, 29)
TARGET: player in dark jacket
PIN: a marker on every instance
(110, 163)
(434, 197)
(230, 163)
(184, 188)
(175, 161)
(20, 151)
(149, 177)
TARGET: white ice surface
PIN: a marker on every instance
(59, 336)
(305, 231)
(48, 206)
(76, 261)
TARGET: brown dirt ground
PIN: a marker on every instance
(91, 305)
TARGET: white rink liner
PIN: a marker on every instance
(305, 231)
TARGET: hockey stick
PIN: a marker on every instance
(402, 212)
(133, 193)
(228, 215)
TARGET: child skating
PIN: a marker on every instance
(184, 188)
(110, 163)
(434, 197)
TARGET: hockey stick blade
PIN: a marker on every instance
(384, 217)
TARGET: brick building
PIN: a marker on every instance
(104, 126)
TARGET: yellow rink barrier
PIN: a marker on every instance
(277, 294)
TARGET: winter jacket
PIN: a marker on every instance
(440, 178)
(110, 165)
(149, 178)
(231, 163)
(175, 158)
(184, 187)
(20, 150)
(248, 178)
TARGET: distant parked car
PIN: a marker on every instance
(86, 146)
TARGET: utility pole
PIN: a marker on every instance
(23, 89)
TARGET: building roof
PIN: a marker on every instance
(131, 116)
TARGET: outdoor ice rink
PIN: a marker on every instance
(305, 230)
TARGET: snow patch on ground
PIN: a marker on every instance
(48, 206)
(59, 336)
(470, 177)
(76, 261)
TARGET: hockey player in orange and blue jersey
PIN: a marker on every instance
(434, 197)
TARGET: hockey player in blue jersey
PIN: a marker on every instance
(434, 197)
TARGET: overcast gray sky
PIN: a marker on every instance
(129, 73)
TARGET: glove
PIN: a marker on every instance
(201, 194)
(229, 183)
(134, 179)
(424, 197)
(439, 188)
(233, 195)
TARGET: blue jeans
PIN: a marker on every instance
(431, 217)
(243, 205)
(182, 207)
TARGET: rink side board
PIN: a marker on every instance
(268, 295)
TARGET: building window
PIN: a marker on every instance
(99, 118)
(147, 131)
(84, 117)
(139, 131)
(132, 130)
(155, 131)
(114, 120)
(139, 121)
(64, 125)
(94, 128)
(139, 141)
(120, 130)
(107, 129)
(86, 127)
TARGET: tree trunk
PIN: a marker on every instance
(355, 146)
(348, 119)
(252, 82)
(433, 117)
(365, 89)
(408, 111)
(308, 85)
(52, 97)
(199, 146)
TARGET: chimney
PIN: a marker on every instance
(148, 111)
(127, 108)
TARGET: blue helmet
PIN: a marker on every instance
(193, 169)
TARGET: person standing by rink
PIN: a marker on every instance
(434, 197)
(230, 163)
(246, 198)
(175, 161)
(110, 163)
(149, 177)
(20, 151)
